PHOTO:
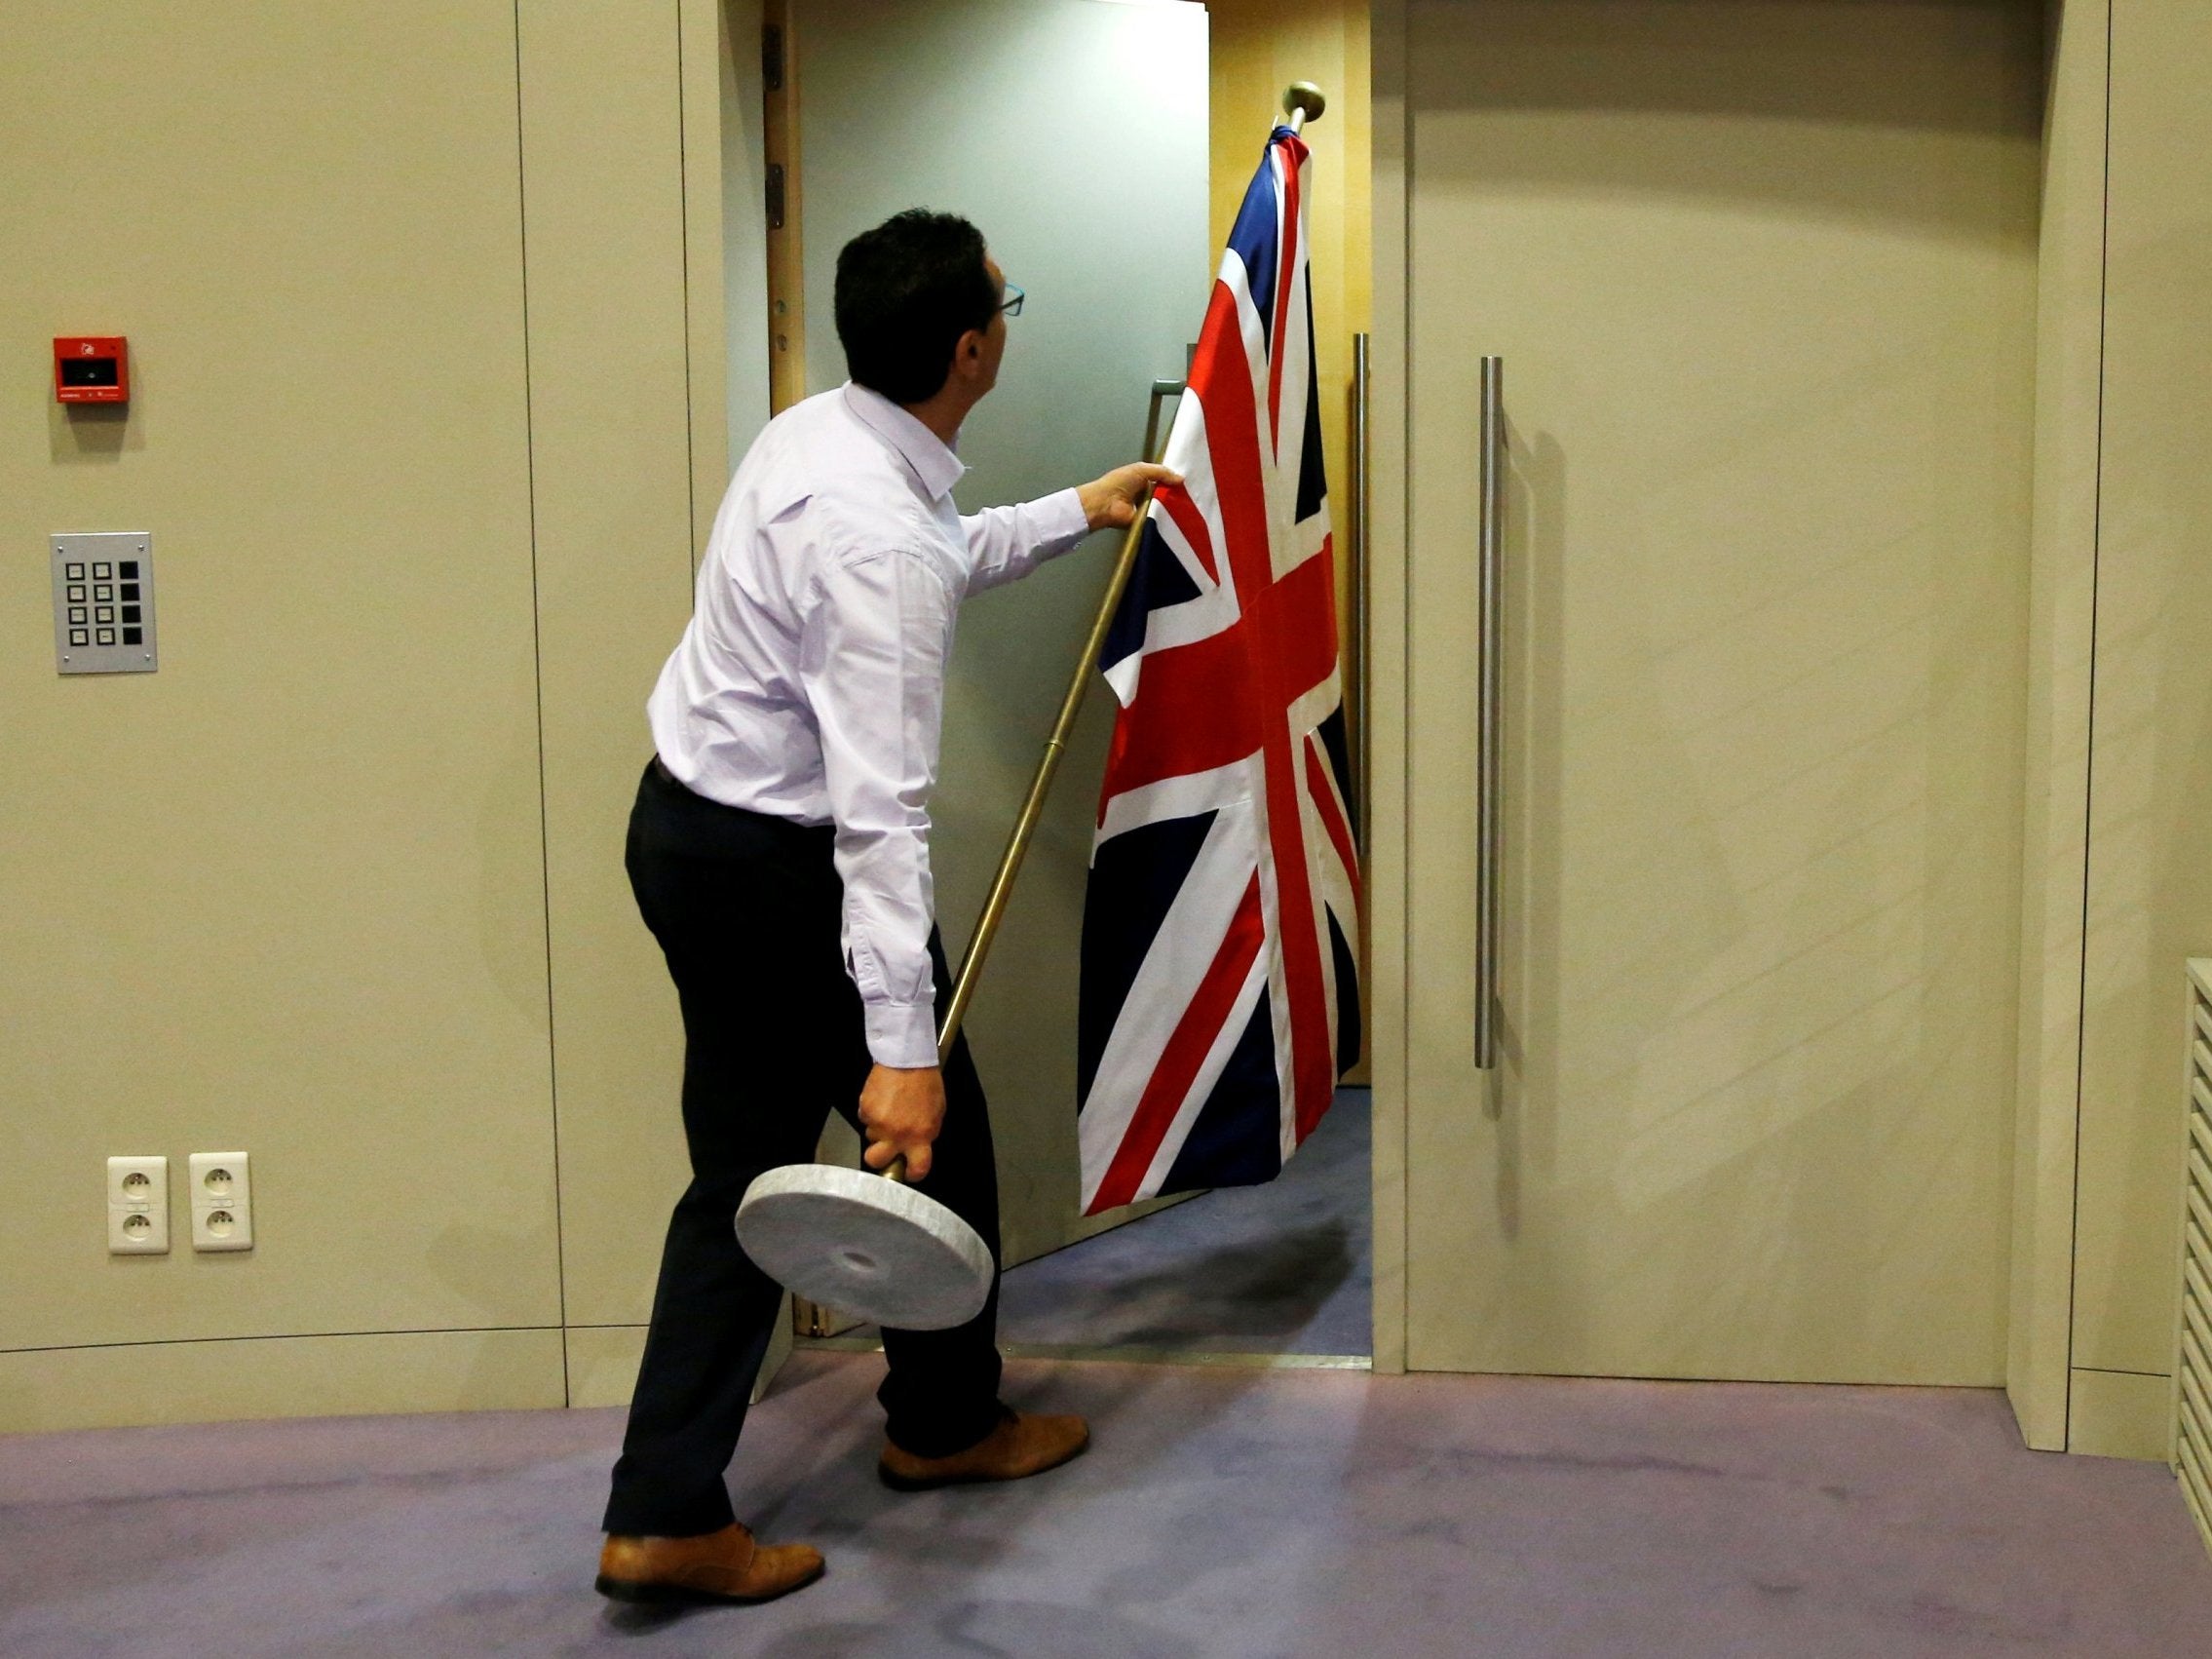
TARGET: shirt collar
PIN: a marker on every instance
(933, 463)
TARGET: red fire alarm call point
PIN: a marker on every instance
(91, 369)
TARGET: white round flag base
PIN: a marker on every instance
(865, 1245)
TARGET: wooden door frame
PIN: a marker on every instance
(1390, 487)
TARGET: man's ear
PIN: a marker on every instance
(968, 351)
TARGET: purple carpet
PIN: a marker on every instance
(1222, 1512)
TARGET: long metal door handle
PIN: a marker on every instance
(1489, 815)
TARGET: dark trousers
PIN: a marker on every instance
(747, 910)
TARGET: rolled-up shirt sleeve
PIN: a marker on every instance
(1007, 543)
(872, 659)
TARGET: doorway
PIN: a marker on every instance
(1076, 135)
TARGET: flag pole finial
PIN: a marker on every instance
(1303, 102)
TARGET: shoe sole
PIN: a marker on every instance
(899, 1482)
(650, 1593)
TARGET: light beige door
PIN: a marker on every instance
(1762, 276)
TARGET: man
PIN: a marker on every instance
(778, 851)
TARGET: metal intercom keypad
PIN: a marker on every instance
(104, 603)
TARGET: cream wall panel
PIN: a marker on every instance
(2062, 589)
(2121, 1414)
(604, 173)
(603, 1362)
(287, 894)
(2151, 783)
(293, 1376)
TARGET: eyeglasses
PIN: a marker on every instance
(1010, 305)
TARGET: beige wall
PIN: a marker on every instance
(426, 312)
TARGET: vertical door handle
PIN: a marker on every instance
(1489, 812)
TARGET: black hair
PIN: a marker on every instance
(906, 291)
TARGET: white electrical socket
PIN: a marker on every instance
(222, 1201)
(137, 1205)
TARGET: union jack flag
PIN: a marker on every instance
(1220, 992)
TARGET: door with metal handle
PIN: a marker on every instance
(1490, 539)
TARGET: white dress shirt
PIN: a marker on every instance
(810, 681)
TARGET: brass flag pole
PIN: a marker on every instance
(1302, 103)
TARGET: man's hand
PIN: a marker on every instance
(903, 1111)
(1110, 502)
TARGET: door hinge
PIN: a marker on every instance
(775, 195)
(772, 58)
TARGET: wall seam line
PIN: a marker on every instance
(2089, 758)
(538, 682)
(279, 1336)
(683, 229)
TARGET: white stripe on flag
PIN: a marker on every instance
(1164, 985)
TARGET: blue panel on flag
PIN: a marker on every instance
(1313, 483)
(1257, 240)
(1157, 581)
(1135, 878)
(1331, 733)
(1348, 1022)
(1236, 1139)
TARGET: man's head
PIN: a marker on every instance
(918, 303)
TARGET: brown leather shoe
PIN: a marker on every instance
(1018, 1447)
(714, 1567)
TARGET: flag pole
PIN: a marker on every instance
(1302, 103)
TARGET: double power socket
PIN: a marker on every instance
(221, 1200)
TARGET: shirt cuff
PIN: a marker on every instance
(1062, 518)
(903, 1034)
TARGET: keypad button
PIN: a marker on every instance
(75, 573)
(103, 613)
(131, 614)
(128, 571)
(130, 590)
(104, 594)
(78, 638)
(104, 635)
(77, 595)
(133, 635)
(77, 616)
(103, 573)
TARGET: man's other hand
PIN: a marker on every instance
(1110, 502)
(902, 1111)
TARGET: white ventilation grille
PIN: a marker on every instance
(2192, 1368)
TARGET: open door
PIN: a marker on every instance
(1074, 133)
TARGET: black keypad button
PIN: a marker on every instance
(133, 635)
(128, 571)
(78, 638)
(131, 614)
(75, 573)
(130, 590)
(105, 635)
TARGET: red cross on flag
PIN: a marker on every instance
(1220, 992)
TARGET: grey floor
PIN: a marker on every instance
(1284, 1268)
(1223, 1511)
